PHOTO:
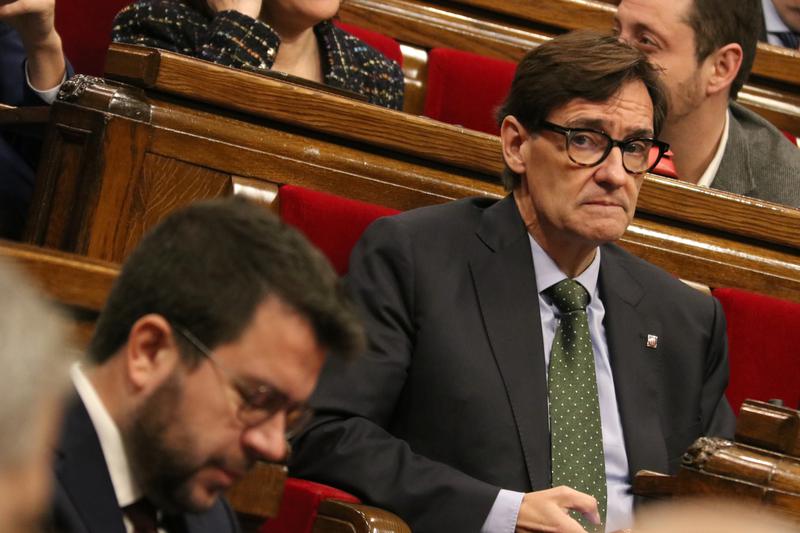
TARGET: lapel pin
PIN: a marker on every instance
(652, 341)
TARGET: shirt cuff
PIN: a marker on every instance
(48, 95)
(503, 515)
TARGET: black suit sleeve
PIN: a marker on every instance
(717, 415)
(351, 444)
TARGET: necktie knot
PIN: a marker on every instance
(143, 516)
(568, 295)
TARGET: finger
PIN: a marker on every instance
(585, 504)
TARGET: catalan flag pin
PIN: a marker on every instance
(652, 341)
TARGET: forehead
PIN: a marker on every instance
(665, 18)
(629, 110)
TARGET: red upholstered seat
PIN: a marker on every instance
(298, 510)
(85, 28)
(466, 89)
(331, 222)
(792, 139)
(764, 347)
(385, 45)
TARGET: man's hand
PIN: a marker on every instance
(251, 8)
(34, 21)
(547, 510)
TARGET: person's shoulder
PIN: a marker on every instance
(654, 279)
(366, 57)
(763, 136)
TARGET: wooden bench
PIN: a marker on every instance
(121, 157)
(507, 30)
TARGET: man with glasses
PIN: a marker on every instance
(519, 364)
(706, 49)
(201, 363)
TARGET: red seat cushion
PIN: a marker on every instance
(85, 28)
(334, 224)
(385, 45)
(763, 346)
(299, 506)
(792, 138)
(466, 89)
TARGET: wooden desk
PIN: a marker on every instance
(507, 30)
(121, 157)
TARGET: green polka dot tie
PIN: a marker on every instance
(576, 437)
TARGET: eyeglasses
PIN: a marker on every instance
(588, 147)
(259, 403)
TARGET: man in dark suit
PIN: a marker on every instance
(706, 49)
(32, 69)
(210, 342)
(482, 391)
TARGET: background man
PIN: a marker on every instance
(32, 69)
(209, 344)
(33, 356)
(781, 23)
(471, 383)
(706, 50)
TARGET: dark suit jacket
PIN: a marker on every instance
(449, 404)
(84, 499)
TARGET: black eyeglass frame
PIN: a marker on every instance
(265, 399)
(569, 133)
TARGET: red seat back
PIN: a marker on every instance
(299, 505)
(763, 346)
(85, 28)
(466, 89)
(334, 224)
(385, 45)
(792, 139)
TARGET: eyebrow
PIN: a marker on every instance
(598, 124)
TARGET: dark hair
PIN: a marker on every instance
(719, 22)
(208, 266)
(580, 64)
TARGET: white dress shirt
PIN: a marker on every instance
(503, 515)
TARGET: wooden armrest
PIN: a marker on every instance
(24, 120)
(334, 516)
(654, 484)
(770, 427)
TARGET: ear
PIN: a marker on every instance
(513, 136)
(724, 65)
(151, 352)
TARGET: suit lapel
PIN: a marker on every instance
(633, 364)
(502, 270)
(83, 476)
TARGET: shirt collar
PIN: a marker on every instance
(711, 171)
(548, 273)
(772, 20)
(108, 434)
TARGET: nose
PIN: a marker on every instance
(268, 439)
(611, 171)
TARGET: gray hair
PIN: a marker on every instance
(34, 359)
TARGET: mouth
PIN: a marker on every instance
(604, 204)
